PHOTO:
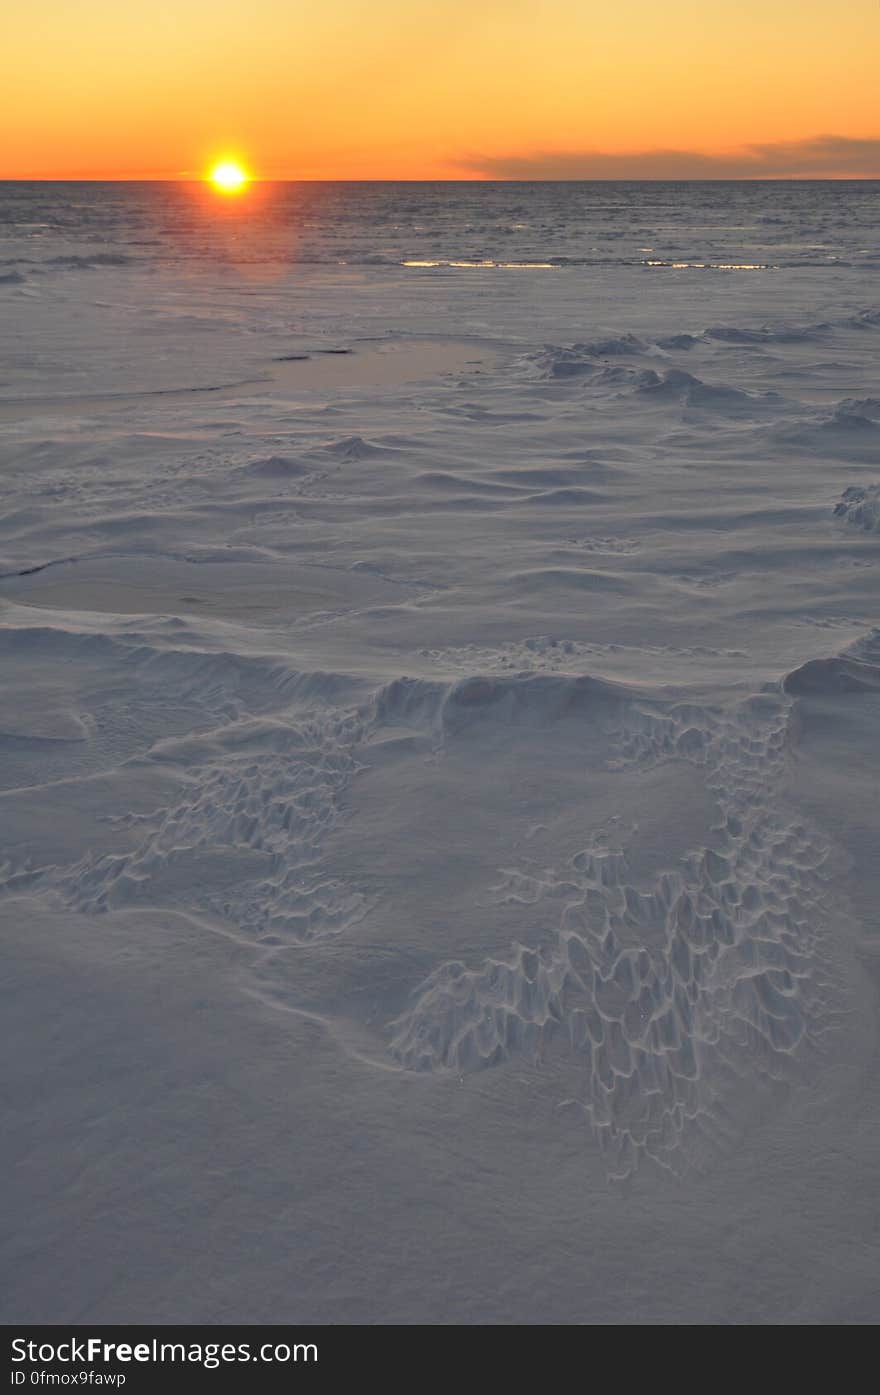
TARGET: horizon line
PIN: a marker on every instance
(446, 179)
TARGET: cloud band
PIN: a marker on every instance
(832, 157)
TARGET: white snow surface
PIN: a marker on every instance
(438, 799)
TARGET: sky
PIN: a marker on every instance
(433, 89)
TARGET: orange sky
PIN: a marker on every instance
(446, 88)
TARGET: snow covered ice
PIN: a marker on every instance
(440, 695)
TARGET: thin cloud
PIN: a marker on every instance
(832, 157)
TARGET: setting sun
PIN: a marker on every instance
(228, 176)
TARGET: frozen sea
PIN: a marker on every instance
(439, 752)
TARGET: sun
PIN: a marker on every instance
(228, 177)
